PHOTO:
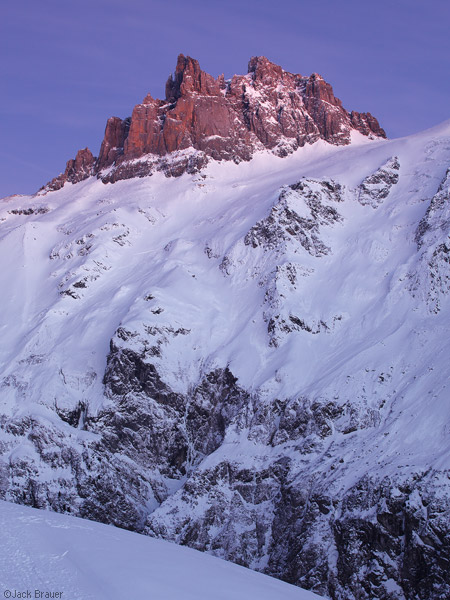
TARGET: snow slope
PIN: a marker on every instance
(252, 360)
(83, 560)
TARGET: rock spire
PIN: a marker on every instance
(269, 108)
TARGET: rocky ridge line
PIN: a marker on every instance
(202, 117)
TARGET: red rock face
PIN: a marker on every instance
(116, 133)
(77, 169)
(366, 124)
(268, 108)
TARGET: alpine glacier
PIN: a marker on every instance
(251, 360)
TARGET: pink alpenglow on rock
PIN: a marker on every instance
(203, 117)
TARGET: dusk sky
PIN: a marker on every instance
(68, 66)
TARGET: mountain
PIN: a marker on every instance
(250, 359)
(58, 556)
(203, 118)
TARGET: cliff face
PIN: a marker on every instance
(77, 169)
(268, 108)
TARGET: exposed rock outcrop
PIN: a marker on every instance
(433, 242)
(300, 211)
(77, 169)
(116, 133)
(376, 187)
(268, 108)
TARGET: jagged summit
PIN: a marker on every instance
(269, 108)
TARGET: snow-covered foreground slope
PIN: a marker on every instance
(75, 559)
(252, 361)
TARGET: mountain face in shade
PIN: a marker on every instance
(204, 118)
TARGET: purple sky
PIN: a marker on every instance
(68, 66)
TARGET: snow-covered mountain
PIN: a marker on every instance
(58, 556)
(251, 360)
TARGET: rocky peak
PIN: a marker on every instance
(262, 69)
(83, 162)
(116, 133)
(77, 169)
(268, 108)
(190, 79)
(318, 88)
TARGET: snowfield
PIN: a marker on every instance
(57, 556)
(251, 360)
